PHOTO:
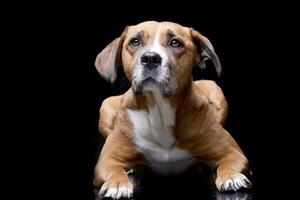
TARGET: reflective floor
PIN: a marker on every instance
(182, 187)
(235, 196)
(212, 196)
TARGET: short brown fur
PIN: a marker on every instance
(201, 111)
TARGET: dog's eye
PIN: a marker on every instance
(135, 42)
(175, 43)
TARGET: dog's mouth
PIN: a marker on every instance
(147, 84)
(154, 80)
(151, 84)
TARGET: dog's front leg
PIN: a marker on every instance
(117, 156)
(229, 171)
(218, 149)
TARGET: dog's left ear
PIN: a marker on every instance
(206, 51)
(109, 59)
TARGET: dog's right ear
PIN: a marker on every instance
(207, 51)
(109, 59)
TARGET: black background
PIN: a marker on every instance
(257, 80)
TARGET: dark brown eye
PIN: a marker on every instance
(175, 43)
(135, 42)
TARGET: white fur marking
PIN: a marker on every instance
(157, 48)
(154, 138)
(234, 184)
(138, 73)
(120, 192)
(111, 192)
(130, 171)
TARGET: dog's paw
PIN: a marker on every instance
(115, 188)
(232, 182)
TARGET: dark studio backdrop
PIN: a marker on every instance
(243, 37)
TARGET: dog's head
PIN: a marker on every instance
(156, 55)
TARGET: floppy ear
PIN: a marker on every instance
(206, 51)
(109, 59)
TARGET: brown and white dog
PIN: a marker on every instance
(165, 121)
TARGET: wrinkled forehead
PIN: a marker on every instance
(152, 29)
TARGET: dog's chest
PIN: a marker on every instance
(154, 138)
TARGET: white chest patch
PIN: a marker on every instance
(154, 138)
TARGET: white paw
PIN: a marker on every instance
(131, 171)
(125, 191)
(234, 183)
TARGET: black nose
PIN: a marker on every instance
(151, 60)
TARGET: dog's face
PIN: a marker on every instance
(156, 55)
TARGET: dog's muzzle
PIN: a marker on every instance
(151, 71)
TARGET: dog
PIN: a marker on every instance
(165, 121)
